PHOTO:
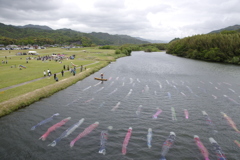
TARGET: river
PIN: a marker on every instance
(154, 81)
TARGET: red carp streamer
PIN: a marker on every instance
(126, 140)
(84, 133)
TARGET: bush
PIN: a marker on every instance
(235, 60)
(117, 51)
(105, 47)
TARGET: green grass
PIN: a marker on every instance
(14, 92)
(21, 96)
(34, 68)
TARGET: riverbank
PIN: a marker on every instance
(220, 47)
(22, 96)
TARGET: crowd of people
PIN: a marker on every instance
(56, 57)
(72, 70)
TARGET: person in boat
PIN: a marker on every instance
(101, 75)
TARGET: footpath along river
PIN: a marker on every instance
(150, 80)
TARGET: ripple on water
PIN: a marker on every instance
(162, 74)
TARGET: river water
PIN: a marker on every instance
(153, 80)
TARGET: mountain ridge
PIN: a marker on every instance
(44, 27)
(30, 34)
(229, 28)
(35, 26)
(109, 37)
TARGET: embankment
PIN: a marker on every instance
(24, 100)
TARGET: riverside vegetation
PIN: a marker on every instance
(217, 47)
(128, 48)
(24, 95)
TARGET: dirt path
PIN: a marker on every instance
(13, 86)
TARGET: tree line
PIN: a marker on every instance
(128, 48)
(217, 47)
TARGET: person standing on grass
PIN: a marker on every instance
(55, 77)
(49, 72)
(62, 73)
(74, 72)
(44, 73)
(81, 68)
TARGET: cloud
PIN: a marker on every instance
(29, 5)
(151, 19)
(21, 12)
(109, 5)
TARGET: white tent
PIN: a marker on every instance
(33, 52)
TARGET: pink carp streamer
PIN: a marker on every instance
(201, 147)
(237, 143)
(186, 113)
(84, 133)
(89, 100)
(230, 122)
(126, 140)
(155, 116)
(55, 126)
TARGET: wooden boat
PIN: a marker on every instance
(100, 79)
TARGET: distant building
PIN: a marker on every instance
(25, 47)
(12, 46)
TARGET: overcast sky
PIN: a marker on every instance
(149, 19)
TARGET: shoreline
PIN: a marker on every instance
(26, 99)
(13, 86)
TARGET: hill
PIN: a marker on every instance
(230, 28)
(35, 34)
(117, 39)
(35, 26)
(151, 41)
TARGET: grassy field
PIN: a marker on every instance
(10, 74)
